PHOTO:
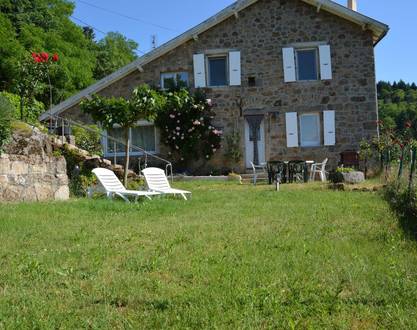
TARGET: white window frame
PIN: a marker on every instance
(173, 74)
(310, 144)
(213, 56)
(141, 123)
(297, 74)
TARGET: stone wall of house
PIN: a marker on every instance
(260, 32)
(30, 172)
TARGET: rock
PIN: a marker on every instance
(354, 177)
(62, 194)
(3, 179)
(4, 165)
(19, 167)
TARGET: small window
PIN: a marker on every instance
(217, 68)
(306, 60)
(310, 130)
(172, 80)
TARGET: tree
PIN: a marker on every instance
(45, 25)
(114, 52)
(143, 104)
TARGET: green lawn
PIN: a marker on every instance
(232, 257)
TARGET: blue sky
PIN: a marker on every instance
(395, 55)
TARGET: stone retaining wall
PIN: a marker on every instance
(33, 178)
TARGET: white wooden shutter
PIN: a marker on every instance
(234, 69)
(199, 71)
(289, 64)
(325, 62)
(329, 125)
(292, 129)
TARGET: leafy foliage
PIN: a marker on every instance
(6, 116)
(31, 111)
(113, 52)
(233, 146)
(45, 25)
(398, 105)
(88, 139)
(186, 126)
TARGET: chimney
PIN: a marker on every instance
(353, 5)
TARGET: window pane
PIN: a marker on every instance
(218, 71)
(115, 133)
(307, 64)
(174, 80)
(310, 130)
(144, 137)
(182, 79)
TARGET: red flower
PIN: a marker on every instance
(34, 55)
(408, 124)
(38, 59)
(55, 58)
(45, 56)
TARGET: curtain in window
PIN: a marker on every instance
(143, 137)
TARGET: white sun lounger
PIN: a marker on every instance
(157, 181)
(113, 186)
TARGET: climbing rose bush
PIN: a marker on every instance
(186, 126)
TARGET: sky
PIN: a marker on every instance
(165, 19)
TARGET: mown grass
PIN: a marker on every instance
(232, 257)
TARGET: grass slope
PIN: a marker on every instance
(232, 257)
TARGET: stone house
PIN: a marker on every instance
(296, 78)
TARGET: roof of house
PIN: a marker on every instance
(379, 31)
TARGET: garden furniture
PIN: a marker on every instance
(277, 171)
(320, 169)
(157, 181)
(112, 186)
(297, 170)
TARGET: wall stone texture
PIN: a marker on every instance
(259, 33)
(29, 172)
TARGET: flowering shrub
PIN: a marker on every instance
(34, 78)
(186, 126)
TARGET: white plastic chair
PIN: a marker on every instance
(112, 186)
(320, 169)
(255, 169)
(157, 181)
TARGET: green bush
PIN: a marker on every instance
(80, 178)
(89, 140)
(345, 170)
(336, 177)
(31, 112)
(402, 200)
(6, 116)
